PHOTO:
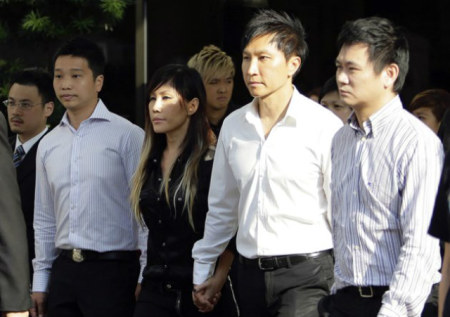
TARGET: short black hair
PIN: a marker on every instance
(39, 78)
(386, 43)
(84, 48)
(288, 31)
(329, 86)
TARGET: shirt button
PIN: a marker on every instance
(363, 138)
(159, 179)
(165, 266)
(160, 221)
(179, 198)
(163, 244)
(168, 286)
(158, 199)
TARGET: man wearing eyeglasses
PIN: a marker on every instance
(30, 102)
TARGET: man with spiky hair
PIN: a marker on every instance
(270, 183)
(217, 71)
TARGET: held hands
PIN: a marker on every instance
(207, 295)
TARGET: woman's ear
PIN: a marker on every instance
(192, 106)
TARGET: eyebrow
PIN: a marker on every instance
(72, 69)
(26, 99)
(347, 63)
(165, 91)
(259, 52)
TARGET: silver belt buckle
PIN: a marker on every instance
(266, 268)
(77, 255)
(365, 295)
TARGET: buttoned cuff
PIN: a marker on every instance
(40, 281)
(202, 272)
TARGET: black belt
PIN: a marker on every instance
(79, 255)
(365, 291)
(282, 261)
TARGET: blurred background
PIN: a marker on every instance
(141, 35)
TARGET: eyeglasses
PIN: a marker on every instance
(23, 105)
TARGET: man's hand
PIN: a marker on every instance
(137, 291)
(206, 295)
(38, 304)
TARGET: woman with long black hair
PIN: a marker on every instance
(170, 191)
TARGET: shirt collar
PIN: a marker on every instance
(379, 119)
(29, 144)
(100, 113)
(292, 113)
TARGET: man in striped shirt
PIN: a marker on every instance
(386, 166)
(86, 237)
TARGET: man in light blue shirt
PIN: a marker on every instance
(386, 166)
(87, 253)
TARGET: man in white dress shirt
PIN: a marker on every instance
(270, 181)
(386, 166)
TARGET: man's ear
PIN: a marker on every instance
(192, 106)
(390, 75)
(294, 63)
(99, 83)
(48, 108)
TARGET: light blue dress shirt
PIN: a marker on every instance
(83, 180)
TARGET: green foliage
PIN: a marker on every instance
(84, 25)
(27, 24)
(7, 69)
(55, 19)
(116, 8)
(34, 22)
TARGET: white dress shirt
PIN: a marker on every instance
(384, 183)
(83, 180)
(274, 189)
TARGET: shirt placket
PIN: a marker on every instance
(358, 253)
(74, 213)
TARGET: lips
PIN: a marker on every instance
(15, 121)
(343, 92)
(157, 120)
(254, 84)
(67, 97)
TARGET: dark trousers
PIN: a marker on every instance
(92, 288)
(348, 302)
(284, 292)
(164, 299)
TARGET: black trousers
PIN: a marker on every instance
(284, 292)
(348, 303)
(165, 299)
(92, 288)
